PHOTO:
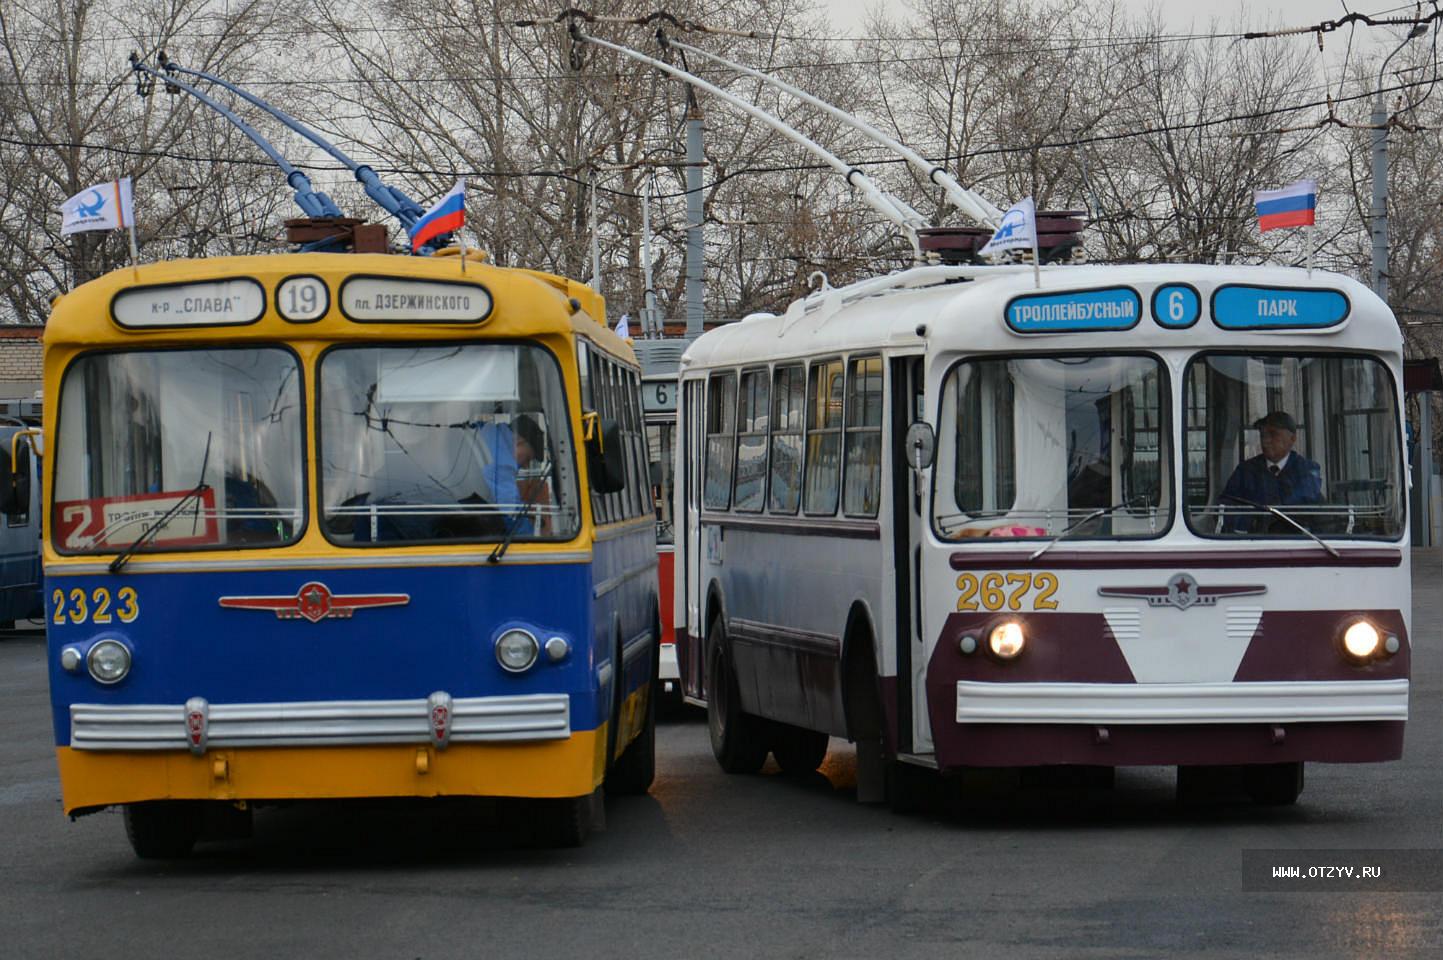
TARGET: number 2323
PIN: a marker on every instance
(996, 591)
(98, 607)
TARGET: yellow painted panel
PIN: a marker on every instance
(563, 768)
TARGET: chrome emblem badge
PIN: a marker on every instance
(197, 724)
(315, 602)
(439, 710)
(1182, 591)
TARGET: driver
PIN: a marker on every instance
(1278, 476)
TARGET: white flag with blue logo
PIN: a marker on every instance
(623, 326)
(1018, 230)
(105, 206)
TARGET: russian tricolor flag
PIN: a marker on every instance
(1291, 206)
(446, 216)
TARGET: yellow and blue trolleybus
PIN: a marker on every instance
(331, 525)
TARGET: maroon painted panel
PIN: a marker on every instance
(1056, 559)
(1010, 745)
(1061, 648)
(1307, 645)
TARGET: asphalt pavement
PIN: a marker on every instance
(711, 865)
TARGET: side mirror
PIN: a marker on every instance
(605, 460)
(921, 445)
(15, 477)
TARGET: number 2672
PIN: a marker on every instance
(996, 591)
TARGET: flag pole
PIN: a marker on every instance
(1308, 230)
(130, 232)
(461, 239)
(1036, 260)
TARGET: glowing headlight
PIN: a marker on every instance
(108, 661)
(1006, 640)
(1361, 640)
(516, 651)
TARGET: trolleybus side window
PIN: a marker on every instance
(217, 432)
(661, 443)
(789, 388)
(419, 444)
(980, 396)
(640, 469)
(1039, 446)
(1283, 444)
(824, 438)
(862, 478)
(751, 470)
(721, 409)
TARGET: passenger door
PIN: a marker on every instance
(689, 640)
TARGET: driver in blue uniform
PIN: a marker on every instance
(1279, 476)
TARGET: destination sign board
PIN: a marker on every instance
(1111, 308)
(658, 395)
(402, 300)
(208, 303)
(1244, 307)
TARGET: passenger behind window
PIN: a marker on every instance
(532, 484)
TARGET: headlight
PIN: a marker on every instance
(108, 661)
(1361, 640)
(516, 651)
(1006, 640)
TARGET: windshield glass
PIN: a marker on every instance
(1313, 437)
(660, 443)
(443, 443)
(139, 432)
(1037, 446)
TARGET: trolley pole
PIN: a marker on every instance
(695, 249)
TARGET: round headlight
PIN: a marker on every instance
(108, 661)
(1006, 640)
(1361, 640)
(516, 651)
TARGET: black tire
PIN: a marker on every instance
(910, 788)
(163, 829)
(738, 739)
(635, 769)
(1274, 784)
(798, 751)
(564, 821)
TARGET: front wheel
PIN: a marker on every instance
(798, 751)
(163, 829)
(737, 739)
(1274, 784)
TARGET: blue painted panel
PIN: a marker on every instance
(1239, 307)
(185, 644)
(1176, 306)
(1112, 308)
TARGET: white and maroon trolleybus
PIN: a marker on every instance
(1101, 515)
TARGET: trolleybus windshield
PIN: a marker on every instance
(140, 431)
(1039, 446)
(451, 442)
(1287, 445)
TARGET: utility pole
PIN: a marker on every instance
(1379, 211)
(695, 247)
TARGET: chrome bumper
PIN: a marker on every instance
(1122, 703)
(197, 725)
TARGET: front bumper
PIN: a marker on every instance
(199, 726)
(1182, 703)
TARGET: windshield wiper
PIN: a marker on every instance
(1099, 512)
(124, 556)
(1279, 513)
(513, 520)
